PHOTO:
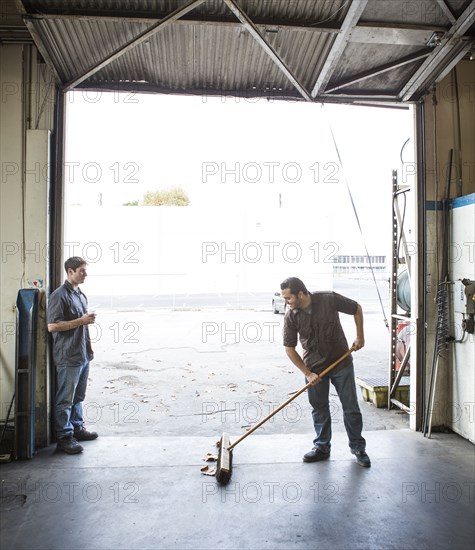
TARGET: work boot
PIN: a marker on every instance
(362, 458)
(69, 445)
(315, 455)
(81, 434)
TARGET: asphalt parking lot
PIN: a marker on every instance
(203, 371)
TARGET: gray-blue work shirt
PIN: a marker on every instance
(71, 348)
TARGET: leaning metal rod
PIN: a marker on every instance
(441, 306)
(440, 346)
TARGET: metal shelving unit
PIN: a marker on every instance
(396, 376)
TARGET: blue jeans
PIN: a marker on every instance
(344, 383)
(70, 393)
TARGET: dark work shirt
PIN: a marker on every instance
(70, 347)
(320, 332)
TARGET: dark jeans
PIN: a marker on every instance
(344, 383)
(70, 393)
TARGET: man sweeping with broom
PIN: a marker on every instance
(314, 319)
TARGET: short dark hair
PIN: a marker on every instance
(294, 284)
(73, 263)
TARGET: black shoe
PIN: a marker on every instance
(83, 435)
(363, 459)
(315, 455)
(69, 445)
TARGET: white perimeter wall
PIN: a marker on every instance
(147, 250)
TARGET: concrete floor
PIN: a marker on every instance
(161, 396)
(148, 492)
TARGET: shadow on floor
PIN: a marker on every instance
(149, 492)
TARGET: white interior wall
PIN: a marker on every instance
(26, 115)
(461, 407)
(11, 154)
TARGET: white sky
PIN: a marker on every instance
(223, 149)
(268, 158)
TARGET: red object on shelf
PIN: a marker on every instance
(404, 329)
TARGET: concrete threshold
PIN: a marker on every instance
(149, 492)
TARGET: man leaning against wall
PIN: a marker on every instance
(68, 322)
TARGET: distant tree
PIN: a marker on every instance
(174, 196)
(131, 203)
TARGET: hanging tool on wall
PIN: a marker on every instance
(468, 321)
(468, 324)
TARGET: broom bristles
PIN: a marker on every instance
(224, 465)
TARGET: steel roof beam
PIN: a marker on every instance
(446, 10)
(39, 43)
(378, 70)
(351, 19)
(375, 96)
(13, 34)
(406, 33)
(272, 25)
(364, 98)
(270, 51)
(392, 36)
(142, 37)
(446, 56)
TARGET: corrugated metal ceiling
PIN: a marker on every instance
(317, 50)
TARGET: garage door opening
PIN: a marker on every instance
(253, 191)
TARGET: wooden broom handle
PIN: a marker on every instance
(259, 424)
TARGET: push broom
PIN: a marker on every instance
(224, 465)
